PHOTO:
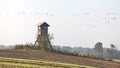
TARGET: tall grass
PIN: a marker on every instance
(27, 46)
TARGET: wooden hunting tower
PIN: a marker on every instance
(43, 38)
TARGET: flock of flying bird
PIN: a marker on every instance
(110, 17)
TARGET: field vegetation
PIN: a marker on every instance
(116, 60)
(24, 63)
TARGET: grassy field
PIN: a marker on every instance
(24, 63)
(116, 60)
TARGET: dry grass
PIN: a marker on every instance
(53, 57)
(23, 63)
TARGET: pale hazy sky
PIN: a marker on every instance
(80, 23)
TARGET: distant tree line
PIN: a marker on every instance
(6, 47)
(97, 52)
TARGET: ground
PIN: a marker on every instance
(25, 63)
(45, 56)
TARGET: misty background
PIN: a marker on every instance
(74, 23)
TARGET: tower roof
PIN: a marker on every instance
(44, 24)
